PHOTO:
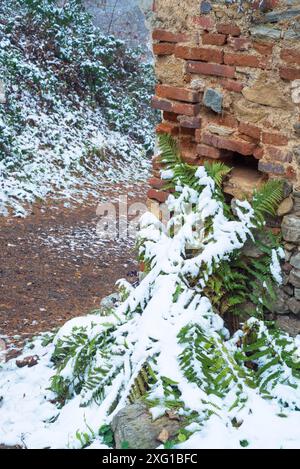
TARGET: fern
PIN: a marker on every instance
(267, 198)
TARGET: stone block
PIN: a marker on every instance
(213, 99)
(291, 228)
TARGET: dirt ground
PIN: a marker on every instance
(55, 266)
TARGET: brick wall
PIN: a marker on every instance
(229, 89)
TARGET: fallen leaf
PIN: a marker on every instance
(163, 436)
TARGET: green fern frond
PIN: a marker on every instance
(267, 198)
(217, 171)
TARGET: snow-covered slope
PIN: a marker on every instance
(77, 104)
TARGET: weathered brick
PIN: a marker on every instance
(228, 120)
(272, 168)
(188, 150)
(213, 39)
(258, 153)
(204, 54)
(291, 56)
(209, 152)
(205, 22)
(167, 128)
(232, 144)
(189, 122)
(289, 73)
(179, 94)
(244, 60)
(230, 29)
(156, 183)
(278, 154)
(198, 135)
(185, 109)
(263, 48)
(170, 116)
(161, 104)
(274, 139)
(203, 68)
(160, 196)
(163, 35)
(239, 43)
(163, 49)
(250, 130)
(232, 85)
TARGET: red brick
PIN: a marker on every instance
(187, 132)
(263, 48)
(163, 35)
(239, 43)
(274, 139)
(160, 196)
(232, 85)
(163, 49)
(232, 144)
(179, 94)
(213, 39)
(156, 183)
(156, 163)
(278, 154)
(291, 56)
(167, 128)
(189, 122)
(210, 69)
(186, 109)
(209, 152)
(272, 168)
(230, 29)
(178, 108)
(258, 153)
(161, 104)
(289, 73)
(250, 130)
(198, 135)
(170, 116)
(205, 22)
(188, 150)
(226, 119)
(206, 54)
(244, 60)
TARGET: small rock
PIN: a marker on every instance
(289, 246)
(294, 306)
(220, 130)
(291, 228)
(297, 128)
(135, 425)
(297, 293)
(296, 91)
(294, 278)
(289, 324)
(2, 351)
(265, 32)
(213, 99)
(268, 94)
(285, 207)
(295, 260)
(281, 307)
(287, 255)
(205, 8)
(27, 361)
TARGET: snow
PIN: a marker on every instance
(147, 324)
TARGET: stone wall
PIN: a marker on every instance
(229, 89)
